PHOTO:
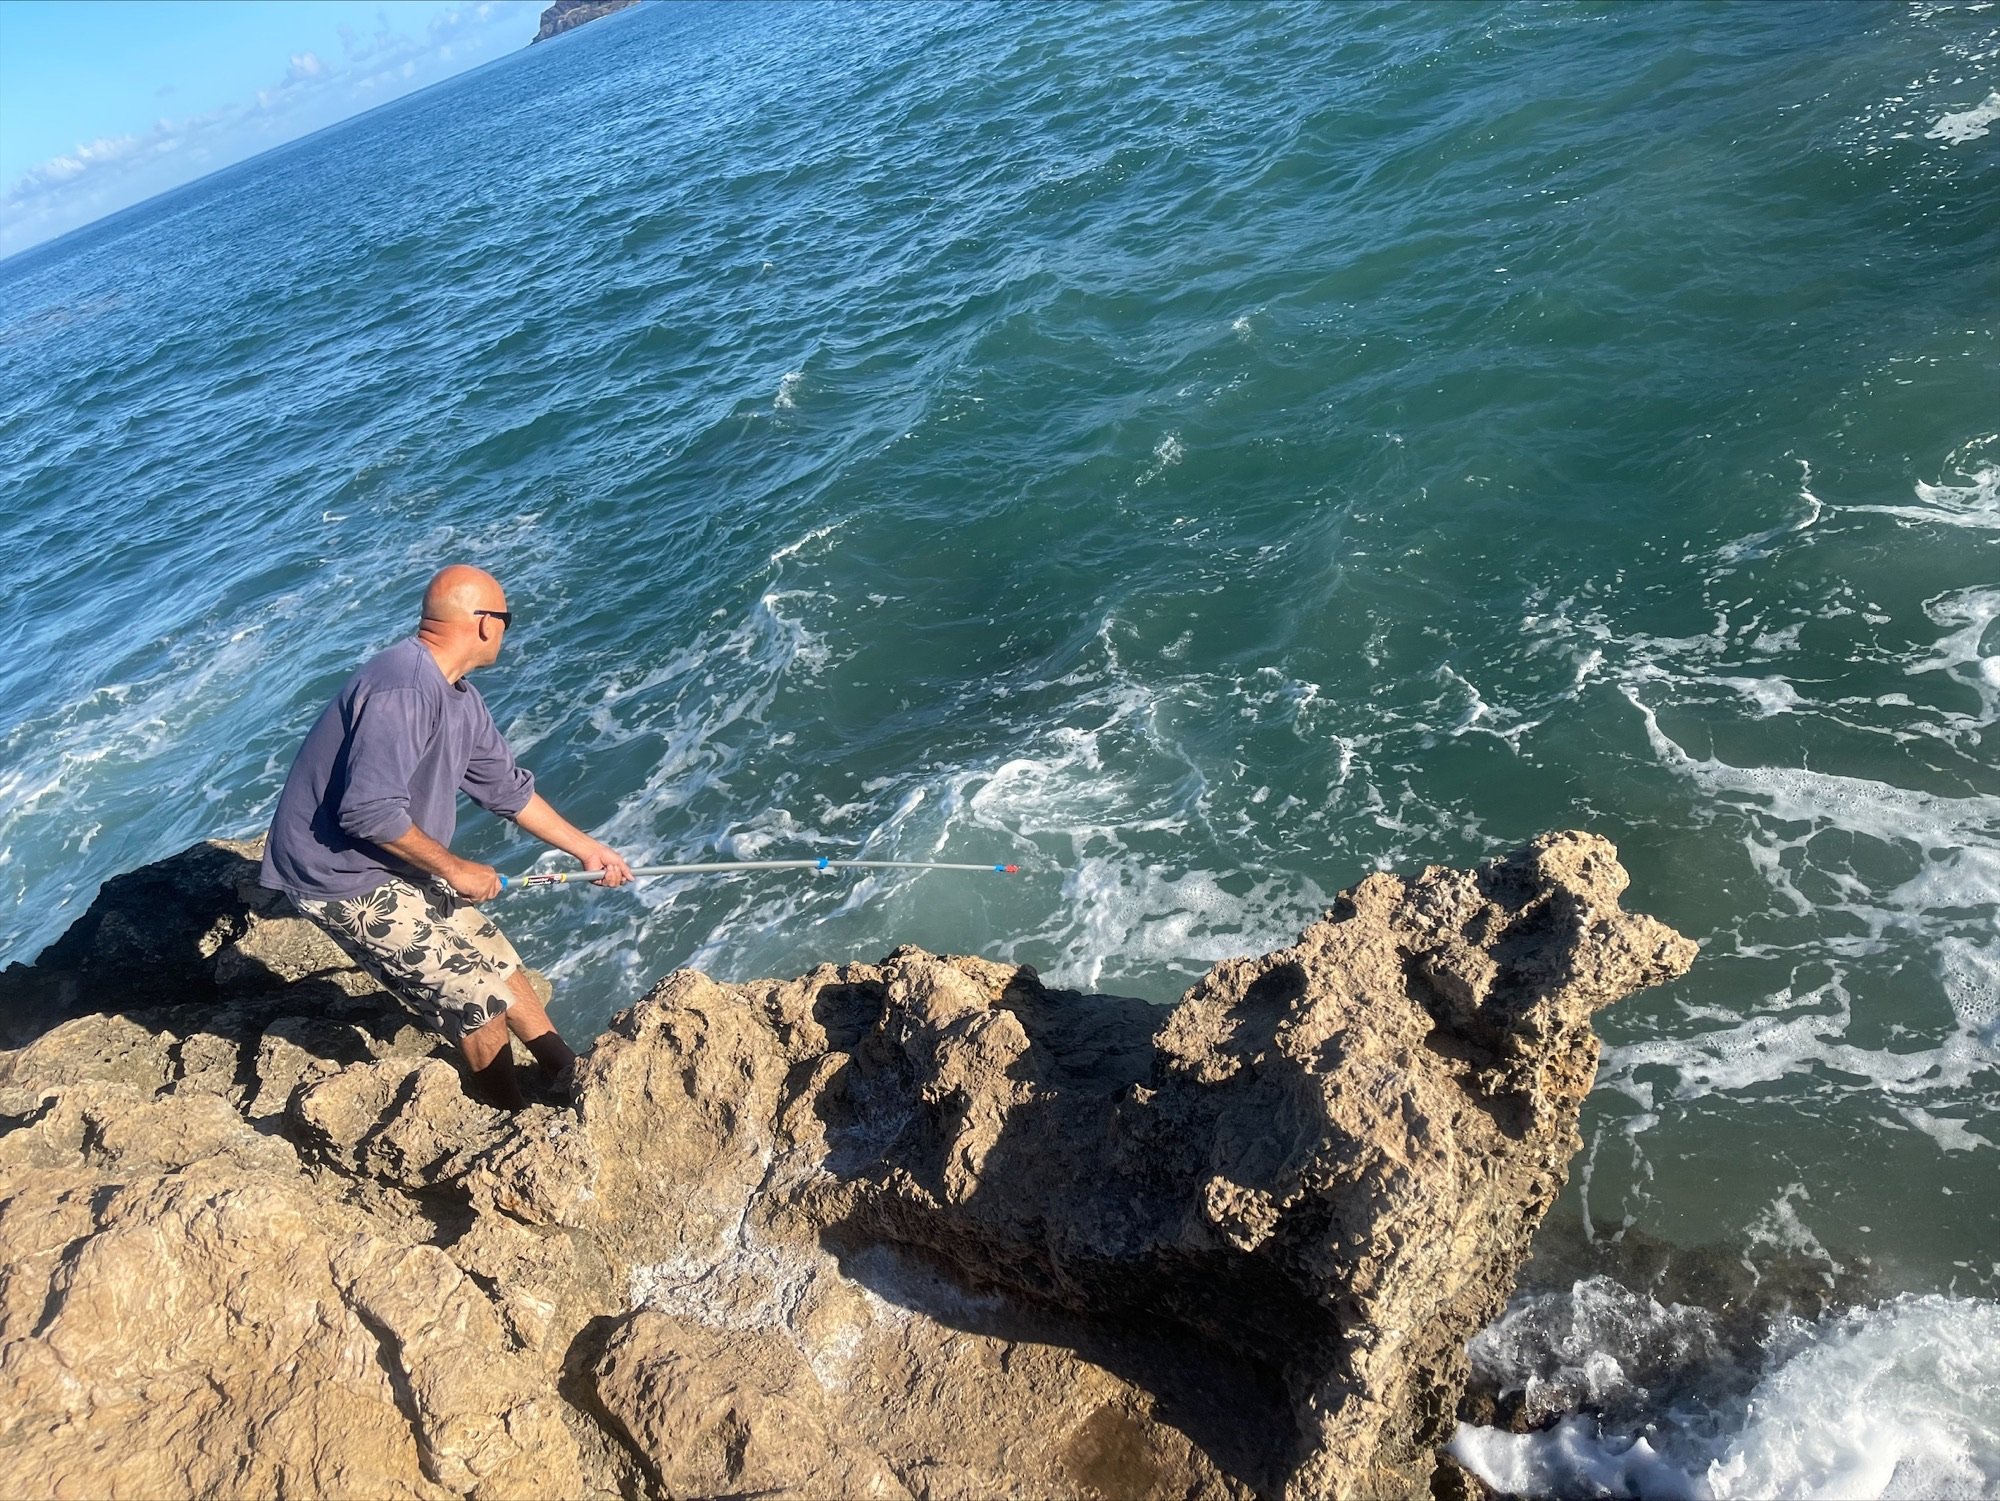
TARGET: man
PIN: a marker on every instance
(361, 839)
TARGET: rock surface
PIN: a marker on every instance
(923, 1228)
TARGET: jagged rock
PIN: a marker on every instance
(221, 1329)
(402, 1121)
(152, 1343)
(718, 1412)
(923, 1228)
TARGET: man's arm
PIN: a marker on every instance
(470, 879)
(549, 826)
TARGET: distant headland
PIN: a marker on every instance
(567, 15)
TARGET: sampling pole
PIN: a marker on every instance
(566, 877)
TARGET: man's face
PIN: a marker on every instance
(493, 630)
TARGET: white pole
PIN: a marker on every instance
(566, 877)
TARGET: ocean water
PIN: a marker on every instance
(1201, 454)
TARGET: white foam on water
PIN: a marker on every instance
(710, 705)
(1789, 807)
(1781, 1228)
(1168, 452)
(1571, 1459)
(1095, 792)
(1462, 709)
(1763, 544)
(1771, 695)
(1765, 1048)
(1785, 794)
(1092, 791)
(1124, 913)
(1975, 504)
(1898, 1401)
(1901, 1401)
(1970, 969)
(108, 758)
(1961, 655)
(818, 534)
(729, 677)
(1966, 124)
(1595, 1345)
(788, 390)
(1841, 848)
(1950, 1135)
(1158, 846)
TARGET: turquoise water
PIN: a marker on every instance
(1201, 453)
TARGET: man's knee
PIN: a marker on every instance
(485, 1042)
(525, 1012)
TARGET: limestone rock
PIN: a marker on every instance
(719, 1412)
(922, 1228)
(186, 1335)
(402, 1121)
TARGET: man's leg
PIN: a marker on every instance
(444, 968)
(489, 1057)
(529, 1021)
(462, 978)
(489, 1052)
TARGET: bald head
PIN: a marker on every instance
(461, 623)
(456, 591)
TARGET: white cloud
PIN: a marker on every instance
(101, 152)
(111, 172)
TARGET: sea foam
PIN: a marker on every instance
(1902, 1400)
(1966, 124)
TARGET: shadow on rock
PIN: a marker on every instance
(923, 1228)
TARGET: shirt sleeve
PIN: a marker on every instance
(493, 778)
(385, 740)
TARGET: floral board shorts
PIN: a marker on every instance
(429, 948)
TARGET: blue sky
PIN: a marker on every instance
(104, 103)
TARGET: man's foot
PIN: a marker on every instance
(555, 1067)
(498, 1084)
(552, 1053)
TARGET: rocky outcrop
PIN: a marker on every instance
(922, 1228)
(567, 15)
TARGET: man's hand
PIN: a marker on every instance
(473, 881)
(470, 879)
(549, 826)
(603, 857)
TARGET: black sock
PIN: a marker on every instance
(497, 1084)
(552, 1053)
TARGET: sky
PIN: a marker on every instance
(106, 103)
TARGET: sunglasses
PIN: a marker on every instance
(505, 617)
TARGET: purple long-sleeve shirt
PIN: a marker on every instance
(391, 752)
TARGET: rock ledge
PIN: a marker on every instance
(922, 1228)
